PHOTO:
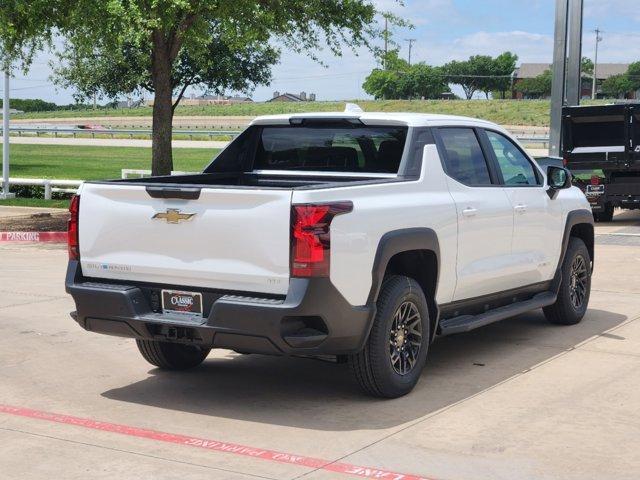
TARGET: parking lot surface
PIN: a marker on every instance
(521, 399)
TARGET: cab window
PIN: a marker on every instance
(464, 159)
(515, 167)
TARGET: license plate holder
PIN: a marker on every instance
(178, 302)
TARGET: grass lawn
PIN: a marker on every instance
(34, 202)
(506, 112)
(95, 163)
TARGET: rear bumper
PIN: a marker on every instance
(313, 318)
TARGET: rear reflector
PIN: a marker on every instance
(72, 229)
(311, 238)
(595, 180)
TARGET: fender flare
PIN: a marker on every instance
(575, 217)
(398, 241)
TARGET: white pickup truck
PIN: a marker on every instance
(355, 236)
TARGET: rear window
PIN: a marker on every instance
(364, 149)
(603, 131)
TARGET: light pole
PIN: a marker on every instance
(5, 138)
(594, 91)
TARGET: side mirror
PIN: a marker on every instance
(558, 178)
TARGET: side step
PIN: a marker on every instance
(467, 323)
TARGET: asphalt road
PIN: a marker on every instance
(521, 399)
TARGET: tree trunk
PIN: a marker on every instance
(161, 154)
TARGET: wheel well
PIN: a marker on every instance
(584, 232)
(422, 266)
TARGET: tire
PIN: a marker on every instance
(381, 368)
(172, 356)
(606, 215)
(571, 305)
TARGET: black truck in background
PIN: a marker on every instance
(601, 146)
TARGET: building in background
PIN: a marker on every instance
(605, 71)
(292, 97)
(203, 100)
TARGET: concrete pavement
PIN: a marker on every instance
(516, 400)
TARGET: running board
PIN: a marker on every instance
(467, 323)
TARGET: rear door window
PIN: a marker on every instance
(358, 149)
(464, 159)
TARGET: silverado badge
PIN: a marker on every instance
(173, 215)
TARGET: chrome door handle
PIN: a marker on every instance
(520, 209)
(469, 212)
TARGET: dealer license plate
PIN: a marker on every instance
(182, 303)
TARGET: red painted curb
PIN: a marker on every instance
(215, 445)
(49, 237)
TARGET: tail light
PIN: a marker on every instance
(565, 162)
(595, 180)
(311, 238)
(72, 229)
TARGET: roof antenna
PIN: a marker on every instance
(352, 108)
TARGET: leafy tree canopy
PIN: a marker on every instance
(400, 80)
(160, 45)
(617, 86)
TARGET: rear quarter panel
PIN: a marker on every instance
(382, 208)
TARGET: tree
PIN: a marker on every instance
(503, 67)
(587, 66)
(617, 86)
(634, 76)
(423, 81)
(400, 80)
(472, 75)
(173, 37)
(537, 87)
(217, 66)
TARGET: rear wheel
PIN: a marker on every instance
(605, 215)
(172, 356)
(575, 289)
(395, 354)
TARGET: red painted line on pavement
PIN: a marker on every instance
(50, 237)
(215, 445)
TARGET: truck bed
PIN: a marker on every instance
(260, 180)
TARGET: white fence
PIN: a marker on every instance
(71, 186)
(50, 185)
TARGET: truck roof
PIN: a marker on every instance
(378, 118)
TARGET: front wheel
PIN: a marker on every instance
(575, 289)
(172, 356)
(395, 354)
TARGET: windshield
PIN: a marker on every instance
(362, 149)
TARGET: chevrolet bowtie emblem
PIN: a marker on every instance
(173, 215)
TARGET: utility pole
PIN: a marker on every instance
(386, 43)
(411, 42)
(5, 137)
(594, 91)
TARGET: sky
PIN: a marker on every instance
(444, 30)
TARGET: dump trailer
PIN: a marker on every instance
(601, 146)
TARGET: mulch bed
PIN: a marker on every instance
(39, 222)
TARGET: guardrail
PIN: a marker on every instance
(116, 131)
(542, 139)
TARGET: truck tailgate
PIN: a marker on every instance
(236, 239)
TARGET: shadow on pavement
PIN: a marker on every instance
(625, 218)
(311, 394)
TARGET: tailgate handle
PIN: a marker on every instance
(173, 192)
